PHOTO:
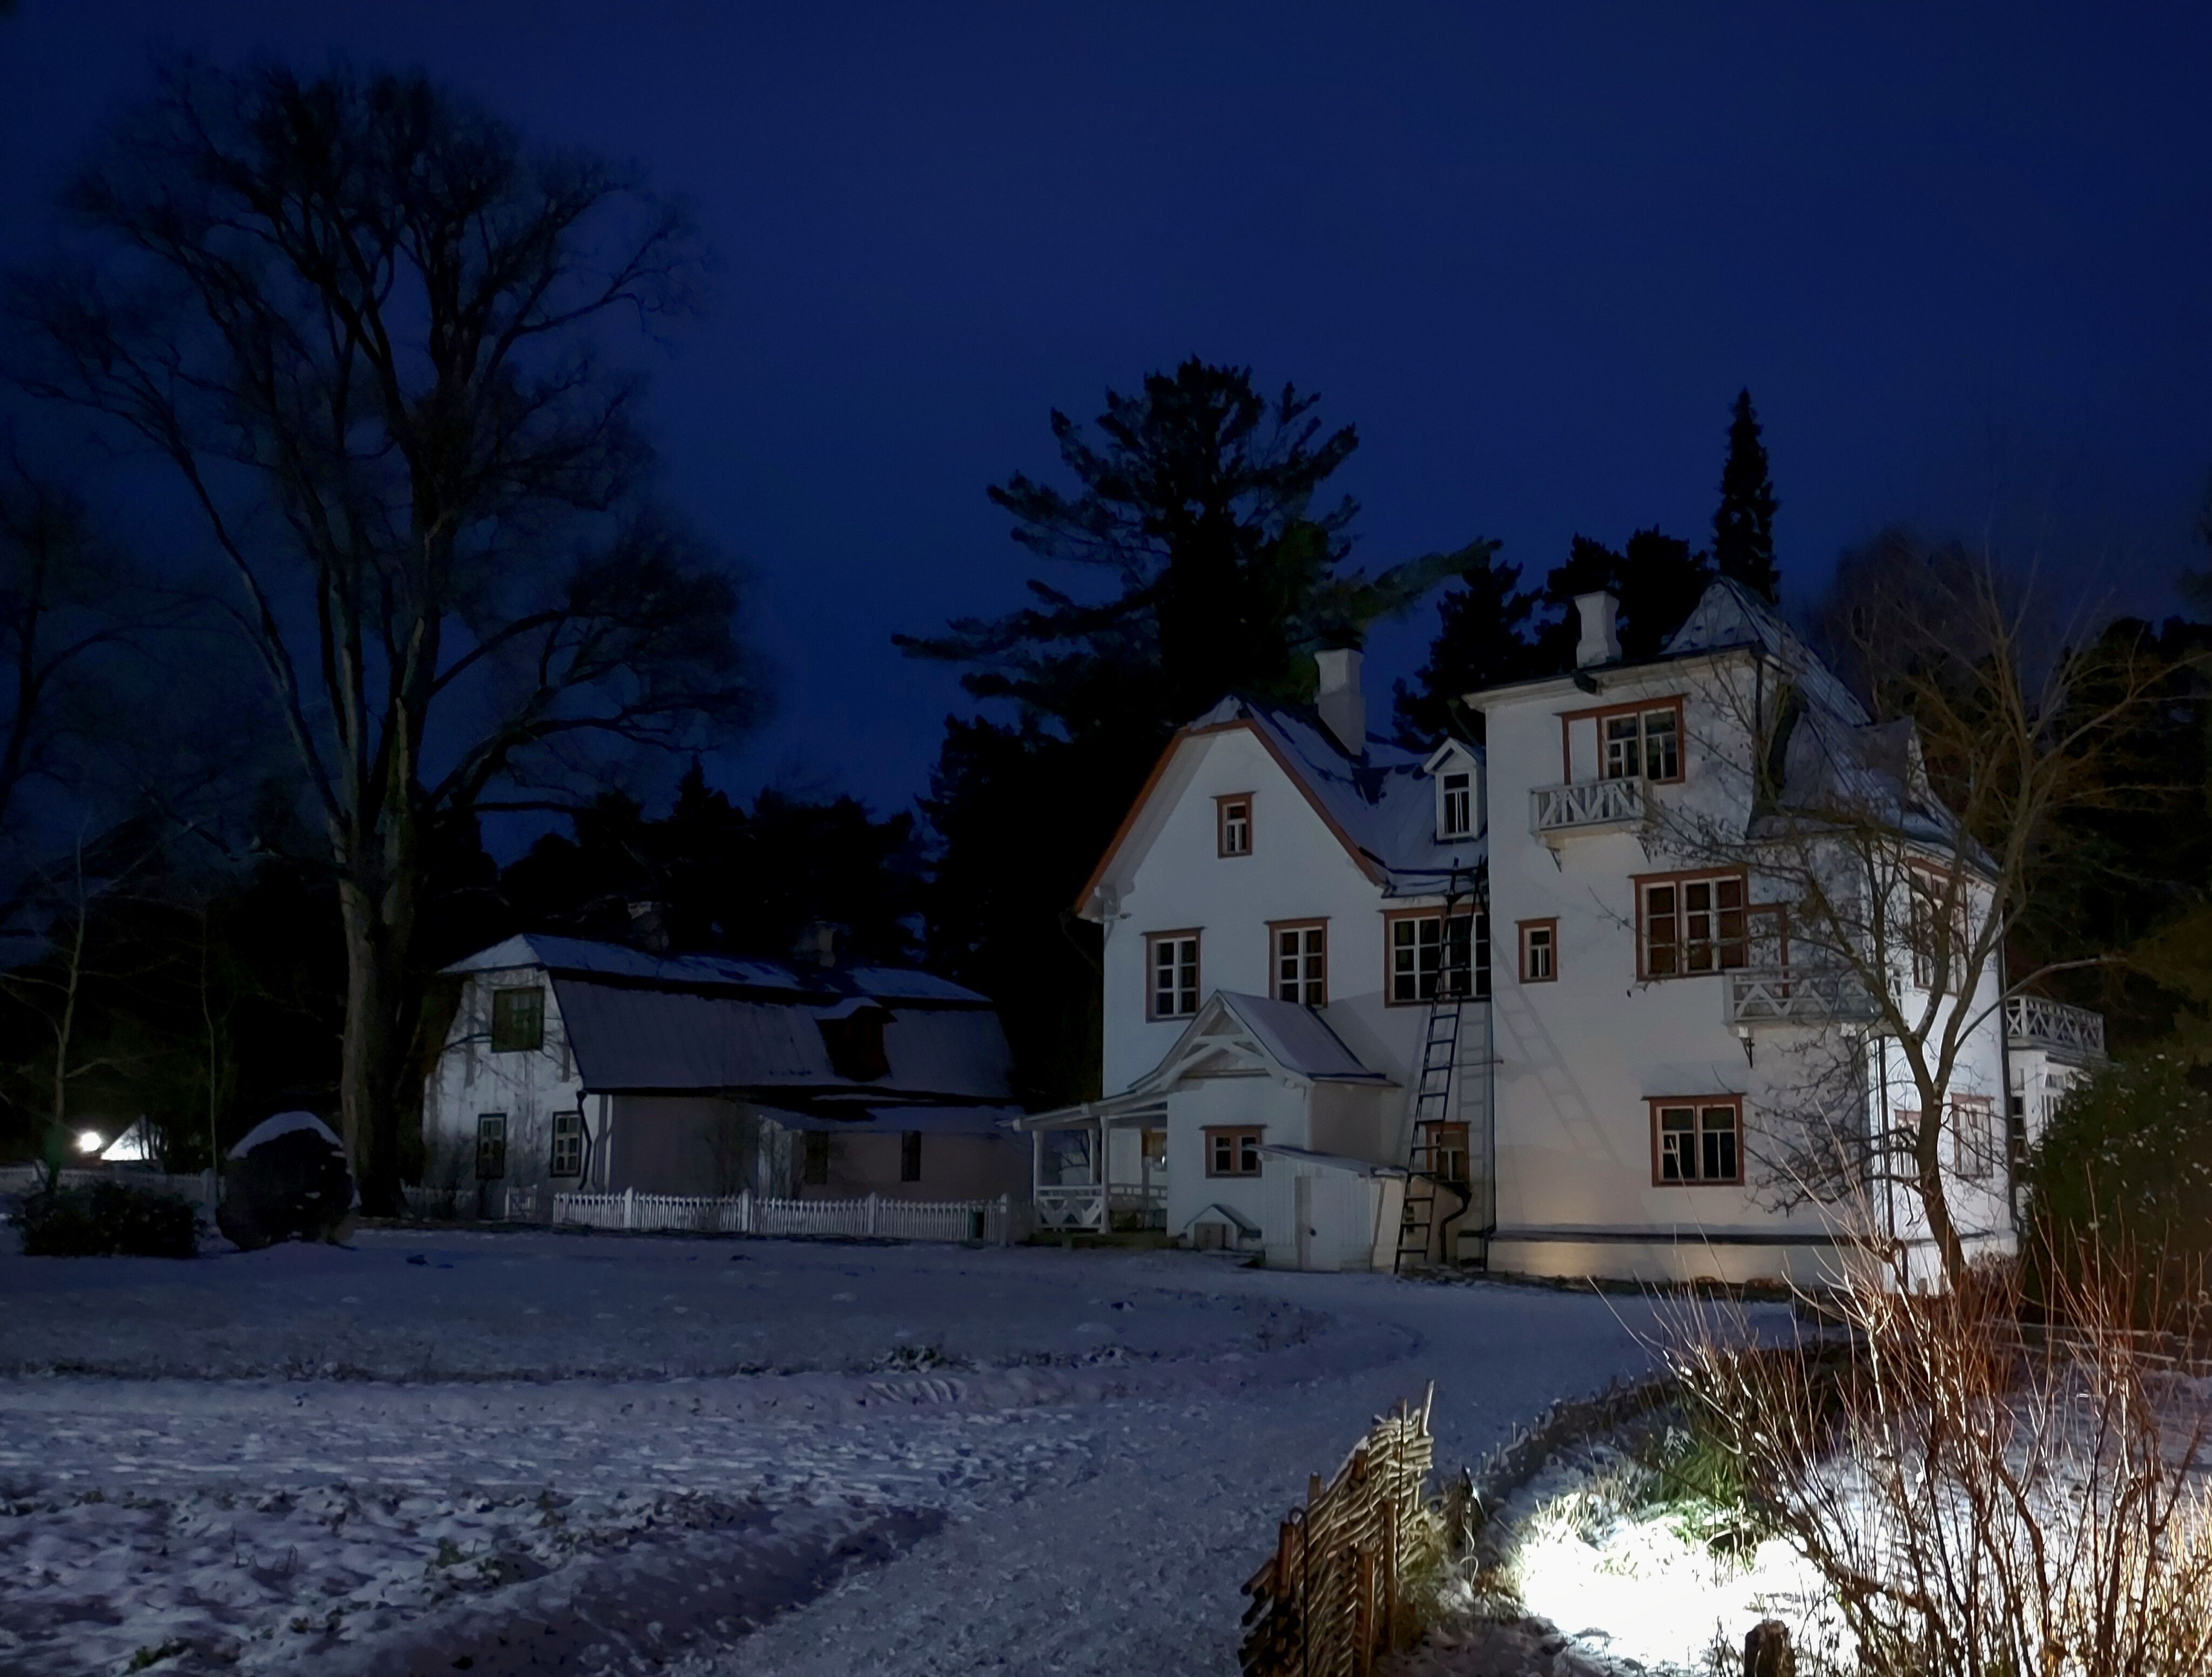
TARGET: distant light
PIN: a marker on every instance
(88, 1141)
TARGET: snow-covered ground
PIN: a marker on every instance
(533, 1452)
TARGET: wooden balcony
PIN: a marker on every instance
(1790, 996)
(1558, 813)
(2073, 1034)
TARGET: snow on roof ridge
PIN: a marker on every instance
(598, 957)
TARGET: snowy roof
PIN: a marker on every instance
(1299, 1039)
(1728, 616)
(713, 972)
(1382, 803)
(636, 1038)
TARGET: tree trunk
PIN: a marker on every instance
(1934, 1202)
(380, 1029)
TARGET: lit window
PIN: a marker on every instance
(1691, 927)
(1233, 824)
(491, 1146)
(1425, 952)
(1644, 744)
(1540, 953)
(518, 1020)
(1456, 820)
(1302, 963)
(567, 1144)
(1172, 991)
(1233, 1152)
(1698, 1140)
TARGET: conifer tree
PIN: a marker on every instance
(1743, 527)
(1484, 636)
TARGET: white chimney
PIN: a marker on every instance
(1343, 707)
(1600, 638)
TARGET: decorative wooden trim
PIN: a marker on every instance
(1698, 1104)
(1595, 714)
(1638, 882)
(1197, 935)
(1235, 1133)
(1222, 800)
(1274, 956)
(1359, 859)
(1549, 924)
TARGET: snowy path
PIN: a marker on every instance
(551, 1453)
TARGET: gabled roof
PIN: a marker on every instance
(639, 1022)
(1380, 804)
(1279, 1037)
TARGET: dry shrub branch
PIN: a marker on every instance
(1985, 1497)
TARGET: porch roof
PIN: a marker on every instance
(1358, 1167)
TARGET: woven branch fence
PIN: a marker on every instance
(1336, 1592)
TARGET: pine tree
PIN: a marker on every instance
(1484, 638)
(1743, 527)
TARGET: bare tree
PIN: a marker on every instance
(366, 324)
(1892, 849)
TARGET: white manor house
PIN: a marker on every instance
(1366, 1007)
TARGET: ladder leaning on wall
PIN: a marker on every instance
(1433, 1086)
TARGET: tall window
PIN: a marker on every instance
(1540, 951)
(1426, 954)
(491, 1146)
(814, 1158)
(1302, 961)
(1941, 940)
(1643, 743)
(910, 1156)
(1233, 1152)
(1698, 1140)
(1232, 820)
(518, 1020)
(1456, 820)
(567, 1144)
(1171, 962)
(1689, 926)
(1975, 1141)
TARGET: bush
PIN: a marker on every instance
(2126, 1168)
(109, 1219)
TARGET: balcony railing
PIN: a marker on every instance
(1793, 997)
(2071, 1033)
(1585, 806)
(1076, 1207)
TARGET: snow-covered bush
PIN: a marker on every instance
(1982, 1498)
(108, 1219)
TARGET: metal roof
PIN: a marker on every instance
(894, 1119)
(1298, 1039)
(629, 1038)
(587, 955)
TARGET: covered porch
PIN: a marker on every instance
(1081, 1181)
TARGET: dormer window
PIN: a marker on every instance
(1233, 824)
(855, 1044)
(1455, 806)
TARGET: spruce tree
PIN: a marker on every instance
(1485, 637)
(1743, 527)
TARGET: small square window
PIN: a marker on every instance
(1233, 824)
(518, 1020)
(1540, 951)
(1233, 1152)
(491, 1146)
(1700, 1140)
(567, 1144)
(910, 1156)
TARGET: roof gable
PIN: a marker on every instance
(1236, 1035)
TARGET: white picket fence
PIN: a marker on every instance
(991, 1220)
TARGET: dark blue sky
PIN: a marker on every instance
(1959, 254)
